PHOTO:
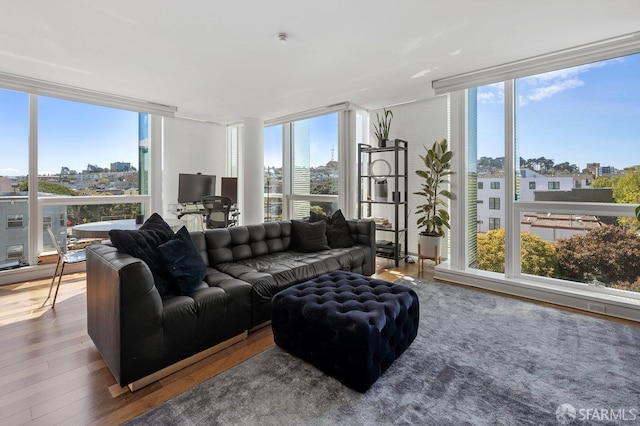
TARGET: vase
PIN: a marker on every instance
(429, 248)
(382, 142)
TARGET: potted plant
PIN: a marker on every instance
(382, 127)
(434, 217)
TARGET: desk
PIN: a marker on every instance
(101, 229)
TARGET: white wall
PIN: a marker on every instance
(190, 147)
(419, 123)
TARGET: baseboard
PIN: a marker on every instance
(589, 301)
(154, 377)
(259, 326)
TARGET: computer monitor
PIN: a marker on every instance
(192, 187)
(229, 188)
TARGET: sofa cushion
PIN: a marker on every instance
(309, 236)
(183, 261)
(338, 232)
(143, 244)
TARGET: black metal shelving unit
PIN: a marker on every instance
(398, 181)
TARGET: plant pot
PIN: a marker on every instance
(429, 248)
(382, 143)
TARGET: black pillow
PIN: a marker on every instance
(338, 233)
(309, 236)
(143, 244)
(183, 261)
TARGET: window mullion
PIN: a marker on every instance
(512, 231)
(35, 212)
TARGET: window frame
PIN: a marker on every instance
(494, 203)
(14, 220)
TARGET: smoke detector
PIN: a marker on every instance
(283, 37)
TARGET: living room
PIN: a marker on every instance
(423, 62)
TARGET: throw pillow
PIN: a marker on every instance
(309, 236)
(338, 233)
(143, 244)
(183, 261)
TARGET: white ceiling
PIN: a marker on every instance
(220, 61)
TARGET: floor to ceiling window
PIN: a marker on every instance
(14, 163)
(83, 153)
(565, 200)
(273, 185)
(308, 179)
(486, 135)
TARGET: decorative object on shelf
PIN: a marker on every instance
(381, 187)
(383, 126)
(434, 217)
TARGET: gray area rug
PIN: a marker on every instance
(478, 359)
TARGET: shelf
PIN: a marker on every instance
(391, 147)
(391, 229)
(383, 202)
(398, 184)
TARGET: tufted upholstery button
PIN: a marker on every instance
(350, 326)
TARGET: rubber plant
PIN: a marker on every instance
(434, 216)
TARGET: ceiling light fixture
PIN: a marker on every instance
(283, 37)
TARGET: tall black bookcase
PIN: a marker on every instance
(391, 240)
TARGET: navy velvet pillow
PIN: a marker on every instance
(308, 236)
(143, 244)
(183, 261)
(338, 233)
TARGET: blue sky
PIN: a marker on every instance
(71, 134)
(323, 132)
(584, 114)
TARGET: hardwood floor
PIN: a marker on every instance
(51, 373)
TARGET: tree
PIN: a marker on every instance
(571, 168)
(626, 188)
(608, 254)
(48, 187)
(537, 256)
(602, 182)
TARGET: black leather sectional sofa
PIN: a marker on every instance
(143, 336)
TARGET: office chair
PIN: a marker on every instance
(217, 208)
(74, 256)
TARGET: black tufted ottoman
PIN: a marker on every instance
(350, 326)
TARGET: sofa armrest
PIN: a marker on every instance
(124, 313)
(364, 232)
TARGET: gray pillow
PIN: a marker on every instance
(338, 232)
(309, 236)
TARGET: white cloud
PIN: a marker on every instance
(9, 171)
(491, 93)
(538, 87)
(553, 88)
